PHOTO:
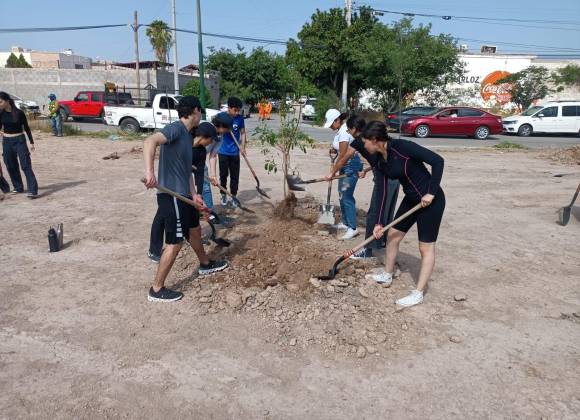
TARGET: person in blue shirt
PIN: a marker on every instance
(229, 153)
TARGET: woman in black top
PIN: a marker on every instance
(405, 161)
(13, 125)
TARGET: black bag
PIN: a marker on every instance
(4, 186)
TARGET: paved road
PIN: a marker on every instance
(325, 135)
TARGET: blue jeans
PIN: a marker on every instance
(346, 188)
(206, 193)
(14, 150)
(56, 123)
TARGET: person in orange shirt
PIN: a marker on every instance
(268, 109)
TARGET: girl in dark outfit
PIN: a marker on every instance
(13, 125)
(405, 161)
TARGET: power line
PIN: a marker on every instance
(58, 29)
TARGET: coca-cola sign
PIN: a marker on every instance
(499, 92)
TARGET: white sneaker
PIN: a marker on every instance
(381, 277)
(224, 200)
(233, 204)
(350, 233)
(341, 226)
(414, 298)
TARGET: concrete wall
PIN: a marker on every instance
(35, 84)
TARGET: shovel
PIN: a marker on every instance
(334, 270)
(261, 191)
(229, 194)
(564, 212)
(216, 240)
(294, 181)
(327, 214)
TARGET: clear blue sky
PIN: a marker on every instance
(272, 19)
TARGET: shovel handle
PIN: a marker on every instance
(222, 189)
(367, 241)
(312, 181)
(244, 156)
(575, 196)
(174, 194)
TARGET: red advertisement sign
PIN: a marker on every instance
(500, 92)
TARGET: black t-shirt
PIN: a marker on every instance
(15, 122)
(198, 160)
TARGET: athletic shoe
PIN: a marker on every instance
(414, 298)
(224, 200)
(153, 257)
(212, 219)
(32, 196)
(381, 277)
(350, 233)
(164, 295)
(234, 204)
(16, 192)
(212, 267)
(341, 226)
(362, 254)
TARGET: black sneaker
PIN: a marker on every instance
(362, 254)
(212, 267)
(153, 257)
(164, 295)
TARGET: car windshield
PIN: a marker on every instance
(310, 102)
(531, 111)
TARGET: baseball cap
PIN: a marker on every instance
(52, 96)
(331, 115)
(207, 129)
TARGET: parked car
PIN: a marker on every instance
(552, 117)
(30, 107)
(90, 104)
(454, 121)
(308, 111)
(162, 111)
(393, 117)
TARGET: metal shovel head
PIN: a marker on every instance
(293, 181)
(564, 215)
(326, 216)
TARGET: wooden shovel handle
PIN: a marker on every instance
(222, 189)
(243, 155)
(367, 241)
(174, 194)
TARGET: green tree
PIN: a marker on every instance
(192, 88)
(325, 47)
(287, 138)
(528, 85)
(22, 63)
(160, 38)
(14, 62)
(567, 76)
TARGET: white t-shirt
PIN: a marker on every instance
(342, 135)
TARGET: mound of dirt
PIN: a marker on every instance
(272, 277)
(285, 208)
(570, 156)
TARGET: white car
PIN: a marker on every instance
(27, 106)
(551, 117)
(308, 111)
(133, 119)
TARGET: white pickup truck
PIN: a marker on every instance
(132, 119)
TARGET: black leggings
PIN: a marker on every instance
(230, 165)
(428, 218)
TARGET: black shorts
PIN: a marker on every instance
(178, 217)
(428, 218)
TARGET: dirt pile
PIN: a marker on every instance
(569, 156)
(272, 278)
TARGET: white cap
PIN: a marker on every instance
(331, 115)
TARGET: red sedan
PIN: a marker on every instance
(454, 121)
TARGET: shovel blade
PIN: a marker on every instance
(293, 181)
(327, 215)
(564, 215)
(262, 192)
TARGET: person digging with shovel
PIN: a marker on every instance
(180, 220)
(346, 186)
(385, 191)
(405, 161)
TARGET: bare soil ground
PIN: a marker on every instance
(498, 335)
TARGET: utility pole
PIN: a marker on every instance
(175, 66)
(200, 54)
(136, 41)
(344, 99)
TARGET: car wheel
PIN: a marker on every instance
(481, 133)
(130, 126)
(422, 131)
(102, 115)
(525, 130)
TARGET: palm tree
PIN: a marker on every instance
(160, 38)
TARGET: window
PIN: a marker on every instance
(531, 111)
(450, 113)
(165, 101)
(571, 111)
(83, 97)
(96, 97)
(466, 112)
(79, 67)
(550, 112)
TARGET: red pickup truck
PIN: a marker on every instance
(90, 104)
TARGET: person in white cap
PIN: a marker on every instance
(346, 186)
